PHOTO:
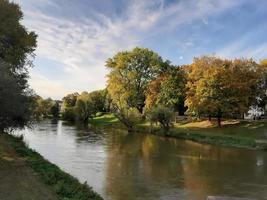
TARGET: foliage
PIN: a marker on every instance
(44, 106)
(129, 117)
(17, 105)
(82, 107)
(70, 100)
(68, 107)
(85, 108)
(218, 87)
(69, 114)
(161, 114)
(262, 97)
(55, 109)
(99, 100)
(130, 72)
(168, 89)
(16, 47)
(65, 186)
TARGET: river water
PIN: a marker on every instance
(122, 166)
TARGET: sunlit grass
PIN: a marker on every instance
(104, 119)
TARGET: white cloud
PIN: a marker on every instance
(240, 49)
(83, 46)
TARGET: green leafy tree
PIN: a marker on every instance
(168, 89)
(68, 107)
(70, 100)
(98, 99)
(85, 108)
(16, 50)
(161, 114)
(55, 109)
(130, 73)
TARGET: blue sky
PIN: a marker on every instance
(77, 36)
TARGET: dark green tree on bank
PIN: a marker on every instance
(17, 45)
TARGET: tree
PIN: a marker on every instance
(130, 72)
(128, 116)
(98, 99)
(262, 97)
(218, 87)
(84, 108)
(70, 100)
(161, 114)
(68, 107)
(16, 50)
(168, 89)
(55, 109)
(17, 104)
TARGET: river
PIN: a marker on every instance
(122, 166)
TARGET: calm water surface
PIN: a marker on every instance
(122, 166)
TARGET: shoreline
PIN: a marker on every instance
(61, 183)
(195, 134)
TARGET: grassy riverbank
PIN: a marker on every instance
(30, 176)
(234, 133)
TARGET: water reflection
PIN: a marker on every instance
(123, 166)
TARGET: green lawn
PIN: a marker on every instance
(249, 134)
(249, 129)
(104, 119)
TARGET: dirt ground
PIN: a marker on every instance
(17, 180)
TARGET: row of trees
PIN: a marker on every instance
(142, 85)
(82, 107)
(46, 108)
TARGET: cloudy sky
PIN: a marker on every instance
(77, 36)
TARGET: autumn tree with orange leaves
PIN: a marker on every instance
(222, 88)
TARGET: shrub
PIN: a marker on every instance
(161, 114)
(68, 114)
(129, 117)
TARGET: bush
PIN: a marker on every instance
(69, 114)
(129, 117)
(160, 114)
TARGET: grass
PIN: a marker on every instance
(64, 185)
(104, 119)
(234, 133)
(247, 134)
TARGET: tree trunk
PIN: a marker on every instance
(209, 118)
(219, 116)
(219, 122)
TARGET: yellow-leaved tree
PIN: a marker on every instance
(219, 87)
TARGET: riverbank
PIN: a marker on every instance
(29, 176)
(234, 133)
